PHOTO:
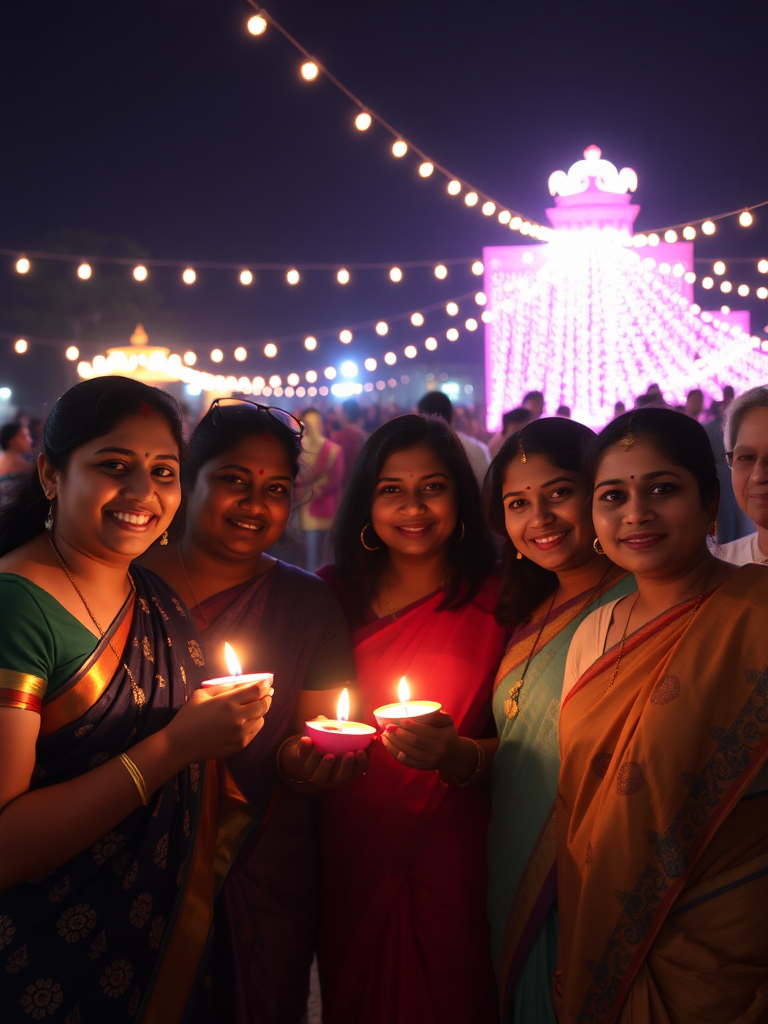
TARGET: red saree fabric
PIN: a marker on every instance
(404, 935)
(653, 843)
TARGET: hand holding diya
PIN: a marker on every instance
(238, 678)
(339, 736)
(423, 712)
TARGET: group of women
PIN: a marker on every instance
(580, 834)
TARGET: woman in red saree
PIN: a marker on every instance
(662, 817)
(404, 866)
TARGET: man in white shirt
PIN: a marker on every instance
(437, 403)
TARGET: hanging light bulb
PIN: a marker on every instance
(390, 358)
(480, 298)
(689, 233)
(217, 355)
(246, 277)
(653, 238)
(22, 265)
(257, 25)
(310, 343)
(382, 328)
(309, 71)
(743, 290)
(310, 376)
(190, 358)
(370, 364)
(670, 235)
(345, 337)
(410, 351)
(707, 282)
(726, 286)
(270, 350)
(451, 308)
(504, 217)
(477, 268)
(430, 344)
(762, 293)
(471, 198)
(329, 372)
(452, 334)
(708, 227)
(516, 223)
(441, 272)
(426, 169)
(454, 187)
(363, 121)
(489, 208)
(342, 276)
(745, 219)
(471, 324)
(396, 275)
(719, 267)
(189, 276)
(72, 353)
(417, 319)
(762, 266)
(399, 148)
(84, 271)
(241, 354)
(140, 273)
(21, 346)
(293, 276)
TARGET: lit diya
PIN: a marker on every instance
(425, 712)
(236, 676)
(340, 736)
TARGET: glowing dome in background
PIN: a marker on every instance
(589, 318)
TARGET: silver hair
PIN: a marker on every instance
(755, 398)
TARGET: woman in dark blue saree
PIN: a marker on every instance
(116, 824)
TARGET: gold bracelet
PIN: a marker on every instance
(448, 779)
(137, 777)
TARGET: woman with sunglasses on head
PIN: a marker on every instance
(238, 483)
(404, 872)
(538, 500)
(662, 816)
(108, 812)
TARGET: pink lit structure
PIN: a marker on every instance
(590, 319)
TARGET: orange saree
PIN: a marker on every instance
(662, 854)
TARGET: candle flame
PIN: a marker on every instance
(233, 665)
(342, 709)
(403, 692)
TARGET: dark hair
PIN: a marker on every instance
(674, 435)
(221, 430)
(7, 433)
(89, 410)
(564, 410)
(538, 395)
(436, 403)
(351, 409)
(515, 418)
(470, 561)
(524, 584)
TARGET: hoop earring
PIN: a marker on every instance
(713, 527)
(362, 540)
(599, 550)
(164, 539)
(519, 556)
(49, 518)
(463, 531)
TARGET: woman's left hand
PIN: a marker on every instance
(431, 747)
(301, 762)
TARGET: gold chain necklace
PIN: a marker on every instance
(139, 696)
(189, 585)
(626, 626)
(512, 703)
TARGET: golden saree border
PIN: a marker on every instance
(223, 824)
(519, 648)
(22, 682)
(91, 680)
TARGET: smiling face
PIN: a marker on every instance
(750, 466)
(648, 512)
(547, 514)
(414, 505)
(118, 492)
(241, 500)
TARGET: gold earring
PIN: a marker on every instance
(49, 518)
(164, 539)
(599, 550)
(519, 556)
(362, 539)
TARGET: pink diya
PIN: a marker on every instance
(238, 678)
(338, 736)
(425, 712)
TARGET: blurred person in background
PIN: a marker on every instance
(511, 422)
(534, 403)
(350, 435)
(745, 437)
(619, 409)
(16, 444)
(322, 476)
(437, 403)
(694, 404)
(564, 412)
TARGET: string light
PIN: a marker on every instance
(275, 381)
(342, 276)
(451, 308)
(504, 217)
(410, 351)
(471, 324)
(345, 337)
(471, 198)
(84, 271)
(140, 273)
(270, 350)
(382, 328)
(246, 277)
(707, 282)
(425, 169)
(293, 379)
(363, 121)
(746, 218)
(762, 293)
(390, 358)
(670, 235)
(726, 286)
(430, 344)
(22, 265)
(190, 358)
(488, 209)
(310, 343)
(480, 298)
(309, 71)
(399, 148)
(329, 372)
(441, 272)
(189, 276)
(241, 354)
(21, 346)
(452, 334)
(217, 355)
(477, 268)
(72, 353)
(708, 227)
(257, 25)
(370, 364)
(719, 267)
(417, 319)
(310, 376)
(293, 276)
(762, 266)
(453, 187)
(743, 290)
(396, 275)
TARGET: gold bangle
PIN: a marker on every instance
(448, 779)
(137, 777)
(284, 777)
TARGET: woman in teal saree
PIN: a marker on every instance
(553, 577)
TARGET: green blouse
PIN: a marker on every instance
(38, 635)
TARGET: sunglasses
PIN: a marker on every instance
(224, 407)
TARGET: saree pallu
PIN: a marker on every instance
(118, 932)
(662, 865)
(404, 935)
(521, 841)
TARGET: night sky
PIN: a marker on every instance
(164, 122)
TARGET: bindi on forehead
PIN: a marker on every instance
(261, 472)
